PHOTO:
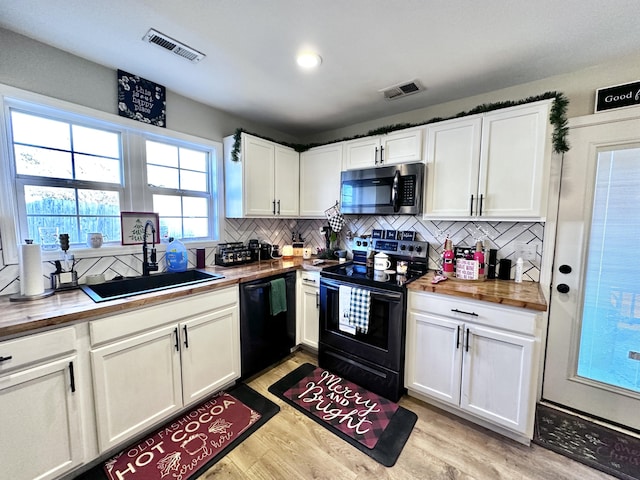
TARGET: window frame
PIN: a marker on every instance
(135, 193)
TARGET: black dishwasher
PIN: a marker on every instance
(265, 339)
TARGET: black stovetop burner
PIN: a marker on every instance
(361, 275)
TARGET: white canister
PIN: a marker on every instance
(306, 253)
(381, 261)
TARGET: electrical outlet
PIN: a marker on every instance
(526, 251)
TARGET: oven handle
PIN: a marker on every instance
(389, 296)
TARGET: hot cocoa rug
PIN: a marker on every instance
(191, 443)
(374, 425)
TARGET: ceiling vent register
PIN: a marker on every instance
(168, 43)
(402, 90)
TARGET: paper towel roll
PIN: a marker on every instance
(31, 281)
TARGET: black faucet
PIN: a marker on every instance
(149, 266)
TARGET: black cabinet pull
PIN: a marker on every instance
(73, 377)
(381, 155)
(175, 330)
(466, 348)
(317, 300)
(458, 337)
(186, 336)
(375, 157)
(4, 359)
(481, 199)
(274, 206)
(278, 207)
(471, 205)
(473, 314)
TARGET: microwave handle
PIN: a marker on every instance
(395, 192)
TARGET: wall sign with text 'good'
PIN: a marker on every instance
(618, 96)
(141, 99)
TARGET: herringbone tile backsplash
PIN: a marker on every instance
(499, 235)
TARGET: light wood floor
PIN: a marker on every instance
(441, 446)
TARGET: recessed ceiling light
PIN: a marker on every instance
(308, 60)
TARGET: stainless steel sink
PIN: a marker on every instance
(128, 287)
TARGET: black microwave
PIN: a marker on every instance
(392, 190)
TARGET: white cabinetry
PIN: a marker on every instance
(308, 309)
(320, 169)
(476, 358)
(491, 166)
(401, 146)
(41, 406)
(150, 363)
(264, 182)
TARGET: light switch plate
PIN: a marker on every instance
(526, 251)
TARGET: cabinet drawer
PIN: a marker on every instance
(310, 278)
(144, 319)
(35, 348)
(484, 313)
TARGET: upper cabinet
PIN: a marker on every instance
(401, 146)
(320, 179)
(493, 166)
(265, 180)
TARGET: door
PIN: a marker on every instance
(259, 174)
(136, 383)
(401, 147)
(362, 153)
(287, 181)
(41, 409)
(593, 351)
(320, 179)
(209, 353)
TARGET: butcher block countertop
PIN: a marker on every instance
(75, 305)
(506, 292)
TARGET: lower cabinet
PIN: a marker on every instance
(479, 359)
(308, 308)
(41, 409)
(151, 363)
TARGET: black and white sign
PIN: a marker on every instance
(141, 99)
(618, 96)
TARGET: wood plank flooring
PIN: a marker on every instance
(441, 446)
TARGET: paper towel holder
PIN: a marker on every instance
(19, 297)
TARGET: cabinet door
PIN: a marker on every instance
(259, 173)
(136, 383)
(514, 162)
(41, 437)
(401, 147)
(435, 356)
(362, 153)
(210, 353)
(497, 377)
(287, 181)
(320, 179)
(453, 153)
(310, 306)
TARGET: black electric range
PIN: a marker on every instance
(387, 280)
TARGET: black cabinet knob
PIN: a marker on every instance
(563, 288)
(565, 269)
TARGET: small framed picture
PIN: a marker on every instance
(133, 225)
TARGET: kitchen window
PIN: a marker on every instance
(179, 179)
(77, 169)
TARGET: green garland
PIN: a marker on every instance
(557, 117)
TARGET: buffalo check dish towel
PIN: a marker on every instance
(359, 309)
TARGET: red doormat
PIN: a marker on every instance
(353, 410)
(183, 446)
(374, 425)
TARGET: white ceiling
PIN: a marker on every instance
(455, 48)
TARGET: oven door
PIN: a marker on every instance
(383, 344)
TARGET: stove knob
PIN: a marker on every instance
(365, 243)
(418, 249)
(403, 247)
(411, 248)
(358, 243)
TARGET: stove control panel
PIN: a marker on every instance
(401, 248)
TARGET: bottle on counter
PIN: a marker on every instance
(478, 256)
(519, 269)
(448, 258)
